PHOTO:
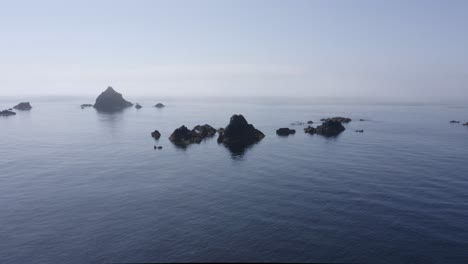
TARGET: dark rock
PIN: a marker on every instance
(138, 106)
(310, 122)
(156, 135)
(110, 100)
(86, 105)
(466, 124)
(285, 131)
(362, 120)
(184, 136)
(330, 128)
(359, 131)
(159, 105)
(221, 130)
(157, 147)
(309, 130)
(344, 120)
(205, 130)
(10, 109)
(7, 113)
(239, 133)
(454, 122)
(23, 106)
(298, 123)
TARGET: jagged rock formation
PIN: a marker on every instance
(23, 106)
(285, 131)
(240, 133)
(110, 100)
(205, 130)
(184, 136)
(309, 130)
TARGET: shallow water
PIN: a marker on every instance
(78, 186)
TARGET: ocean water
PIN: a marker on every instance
(79, 186)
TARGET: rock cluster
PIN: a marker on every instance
(7, 113)
(110, 100)
(329, 128)
(285, 131)
(23, 106)
(184, 136)
(340, 119)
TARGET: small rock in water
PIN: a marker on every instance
(23, 106)
(157, 147)
(7, 113)
(297, 123)
(362, 120)
(454, 122)
(466, 124)
(285, 131)
(138, 106)
(310, 122)
(155, 134)
(359, 131)
(159, 105)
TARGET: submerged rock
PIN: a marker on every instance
(297, 123)
(138, 106)
(23, 106)
(454, 122)
(86, 105)
(7, 113)
(155, 134)
(330, 128)
(159, 105)
(184, 136)
(285, 131)
(110, 100)
(340, 119)
(359, 131)
(362, 120)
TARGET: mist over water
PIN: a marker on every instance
(80, 186)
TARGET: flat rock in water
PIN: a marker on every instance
(7, 113)
(86, 105)
(110, 100)
(454, 122)
(297, 123)
(340, 119)
(285, 131)
(23, 106)
(159, 105)
(330, 128)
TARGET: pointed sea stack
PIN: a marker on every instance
(23, 106)
(240, 133)
(110, 100)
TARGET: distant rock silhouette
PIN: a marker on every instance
(466, 124)
(359, 131)
(183, 136)
(344, 120)
(23, 106)
(138, 106)
(298, 123)
(110, 100)
(155, 134)
(157, 147)
(86, 105)
(285, 131)
(362, 120)
(240, 133)
(454, 122)
(159, 105)
(310, 122)
(7, 113)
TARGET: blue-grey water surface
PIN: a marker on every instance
(78, 186)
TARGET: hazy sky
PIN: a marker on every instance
(413, 49)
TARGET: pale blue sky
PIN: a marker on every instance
(408, 49)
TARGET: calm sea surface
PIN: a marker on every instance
(78, 186)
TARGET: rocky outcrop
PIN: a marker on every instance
(155, 134)
(159, 105)
(184, 136)
(343, 120)
(240, 133)
(23, 106)
(454, 122)
(285, 131)
(330, 128)
(309, 130)
(110, 100)
(205, 130)
(138, 106)
(7, 113)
